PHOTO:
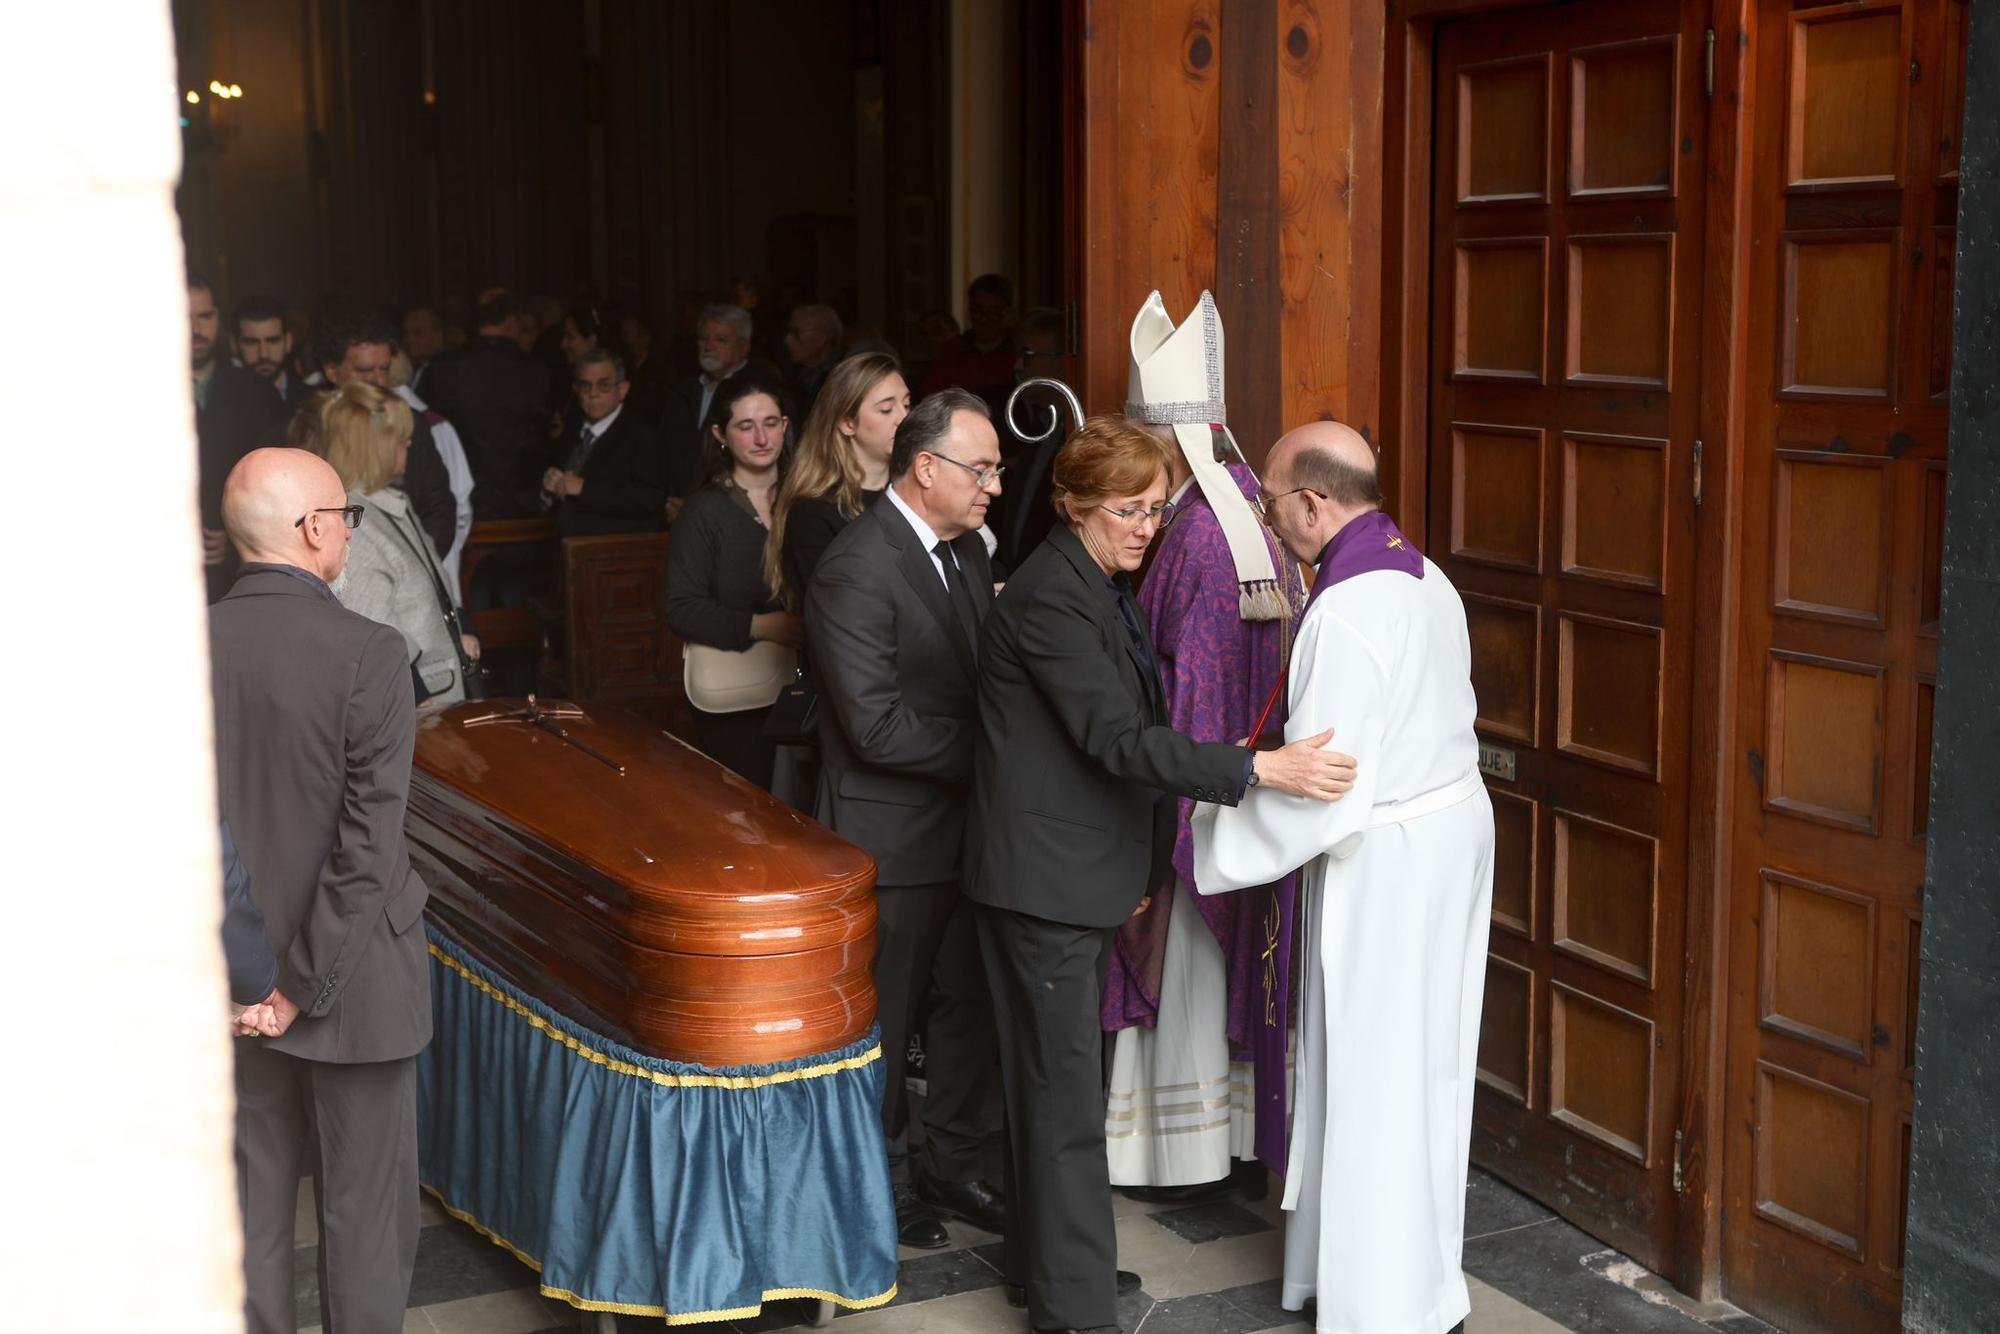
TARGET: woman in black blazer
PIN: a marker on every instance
(1073, 760)
(716, 594)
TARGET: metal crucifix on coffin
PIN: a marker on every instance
(544, 716)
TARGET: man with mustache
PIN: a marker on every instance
(722, 347)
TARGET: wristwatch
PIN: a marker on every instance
(1252, 781)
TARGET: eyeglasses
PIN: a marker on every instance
(981, 477)
(1265, 502)
(1162, 514)
(351, 513)
(596, 386)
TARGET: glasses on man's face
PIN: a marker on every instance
(351, 514)
(981, 477)
(1139, 516)
(1265, 502)
(595, 387)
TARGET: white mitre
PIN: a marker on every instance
(1177, 381)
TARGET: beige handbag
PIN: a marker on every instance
(720, 680)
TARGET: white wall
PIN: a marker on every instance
(119, 1200)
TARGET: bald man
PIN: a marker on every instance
(1395, 886)
(314, 727)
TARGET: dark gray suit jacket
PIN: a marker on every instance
(1073, 746)
(314, 728)
(897, 678)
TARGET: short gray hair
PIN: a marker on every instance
(599, 356)
(825, 319)
(1341, 482)
(928, 423)
(721, 312)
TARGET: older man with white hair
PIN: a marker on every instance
(722, 348)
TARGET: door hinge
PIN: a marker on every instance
(1708, 65)
(1680, 1183)
(1697, 474)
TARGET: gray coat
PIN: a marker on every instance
(392, 576)
(314, 730)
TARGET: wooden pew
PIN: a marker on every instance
(515, 626)
(617, 648)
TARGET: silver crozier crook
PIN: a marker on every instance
(1055, 388)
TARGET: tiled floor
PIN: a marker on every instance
(1208, 1269)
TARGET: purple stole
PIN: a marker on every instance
(1368, 543)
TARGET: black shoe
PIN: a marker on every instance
(1249, 1181)
(1199, 1193)
(1017, 1294)
(916, 1226)
(975, 1202)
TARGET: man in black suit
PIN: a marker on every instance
(497, 397)
(722, 347)
(362, 347)
(233, 409)
(314, 729)
(263, 346)
(1069, 832)
(892, 617)
(612, 474)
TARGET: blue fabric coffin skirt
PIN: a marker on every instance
(650, 1187)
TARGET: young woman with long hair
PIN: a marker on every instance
(841, 467)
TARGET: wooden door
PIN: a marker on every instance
(1854, 200)
(1567, 206)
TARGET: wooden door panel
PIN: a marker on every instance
(1855, 179)
(1503, 131)
(1624, 119)
(1845, 94)
(1606, 882)
(1620, 312)
(1564, 319)
(1615, 502)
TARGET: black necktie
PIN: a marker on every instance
(580, 451)
(961, 595)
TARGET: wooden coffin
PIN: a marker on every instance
(673, 906)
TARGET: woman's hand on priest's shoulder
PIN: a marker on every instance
(1306, 768)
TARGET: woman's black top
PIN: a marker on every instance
(810, 528)
(715, 568)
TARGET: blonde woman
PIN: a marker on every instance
(840, 468)
(392, 573)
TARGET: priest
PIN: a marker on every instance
(1395, 889)
(1196, 995)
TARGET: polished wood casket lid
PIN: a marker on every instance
(672, 905)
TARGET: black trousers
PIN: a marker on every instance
(738, 740)
(924, 938)
(1046, 979)
(355, 1127)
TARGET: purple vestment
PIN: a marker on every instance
(1216, 669)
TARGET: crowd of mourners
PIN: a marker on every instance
(755, 438)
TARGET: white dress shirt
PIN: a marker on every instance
(924, 535)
